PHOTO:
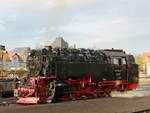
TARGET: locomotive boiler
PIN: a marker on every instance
(71, 74)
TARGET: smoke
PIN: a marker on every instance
(56, 18)
(140, 92)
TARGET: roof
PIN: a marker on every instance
(18, 56)
(146, 54)
(119, 53)
(21, 50)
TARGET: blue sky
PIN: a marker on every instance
(123, 24)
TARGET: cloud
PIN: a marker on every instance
(103, 23)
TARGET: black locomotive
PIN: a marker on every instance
(67, 73)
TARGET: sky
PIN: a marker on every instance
(99, 24)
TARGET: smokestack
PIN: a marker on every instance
(48, 48)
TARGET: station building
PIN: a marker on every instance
(145, 62)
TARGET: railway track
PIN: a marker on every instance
(143, 111)
(7, 101)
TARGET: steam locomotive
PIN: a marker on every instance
(70, 74)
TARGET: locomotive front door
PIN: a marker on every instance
(120, 68)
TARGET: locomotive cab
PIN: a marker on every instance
(120, 68)
(133, 73)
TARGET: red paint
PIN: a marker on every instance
(132, 86)
(28, 100)
(82, 88)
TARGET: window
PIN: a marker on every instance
(124, 61)
(119, 61)
(115, 61)
(130, 59)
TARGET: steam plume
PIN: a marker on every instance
(55, 20)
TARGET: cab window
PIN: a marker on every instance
(119, 61)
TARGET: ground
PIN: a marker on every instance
(127, 102)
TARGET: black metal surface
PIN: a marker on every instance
(6, 87)
(102, 65)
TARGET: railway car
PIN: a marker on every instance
(6, 87)
(70, 74)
